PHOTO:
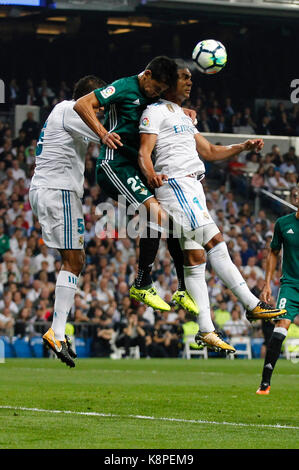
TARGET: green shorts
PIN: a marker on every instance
(122, 178)
(288, 298)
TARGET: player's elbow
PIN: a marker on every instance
(79, 106)
(207, 153)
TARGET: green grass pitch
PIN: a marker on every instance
(193, 404)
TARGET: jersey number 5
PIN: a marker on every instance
(39, 147)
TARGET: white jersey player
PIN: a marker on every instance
(170, 146)
(55, 196)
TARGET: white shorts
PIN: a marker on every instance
(185, 202)
(60, 216)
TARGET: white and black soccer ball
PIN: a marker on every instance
(209, 56)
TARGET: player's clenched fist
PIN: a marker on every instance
(155, 180)
(254, 144)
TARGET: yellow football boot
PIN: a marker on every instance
(149, 297)
(264, 311)
(60, 348)
(212, 340)
(184, 300)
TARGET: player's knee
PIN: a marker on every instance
(279, 333)
(218, 238)
(194, 257)
(79, 262)
(73, 261)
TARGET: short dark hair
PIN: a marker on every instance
(163, 70)
(181, 64)
(86, 85)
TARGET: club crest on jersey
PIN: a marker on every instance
(107, 91)
(170, 108)
(145, 121)
(143, 191)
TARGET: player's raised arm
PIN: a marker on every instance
(86, 107)
(147, 144)
(211, 152)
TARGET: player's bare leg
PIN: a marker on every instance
(222, 264)
(66, 284)
(194, 269)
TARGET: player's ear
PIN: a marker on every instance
(148, 73)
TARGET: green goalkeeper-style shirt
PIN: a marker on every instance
(286, 236)
(124, 104)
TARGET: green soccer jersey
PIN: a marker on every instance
(124, 103)
(286, 236)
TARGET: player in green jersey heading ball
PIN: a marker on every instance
(118, 172)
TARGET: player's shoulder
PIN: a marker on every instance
(158, 107)
(285, 222)
(60, 108)
(65, 104)
(285, 219)
(125, 82)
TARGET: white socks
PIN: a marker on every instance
(66, 286)
(195, 281)
(222, 264)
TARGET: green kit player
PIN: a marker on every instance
(118, 172)
(285, 237)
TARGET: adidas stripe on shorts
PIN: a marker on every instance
(60, 216)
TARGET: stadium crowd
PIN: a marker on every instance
(103, 309)
(215, 113)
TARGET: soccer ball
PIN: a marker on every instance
(209, 56)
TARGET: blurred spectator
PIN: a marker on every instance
(277, 181)
(4, 241)
(236, 326)
(14, 91)
(288, 166)
(6, 322)
(44, 256)
(265, 126)
(222, 315)
(258, 180)
(131, 334)
(31, 127)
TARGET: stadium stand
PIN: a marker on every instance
(28, 269)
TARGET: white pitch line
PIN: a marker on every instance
(153, 418)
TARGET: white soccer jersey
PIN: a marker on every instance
(61, 150)
(175, 151)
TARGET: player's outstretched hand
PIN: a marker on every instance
(112, 140)
(254, 144)
(266, 294)
(155, 180)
